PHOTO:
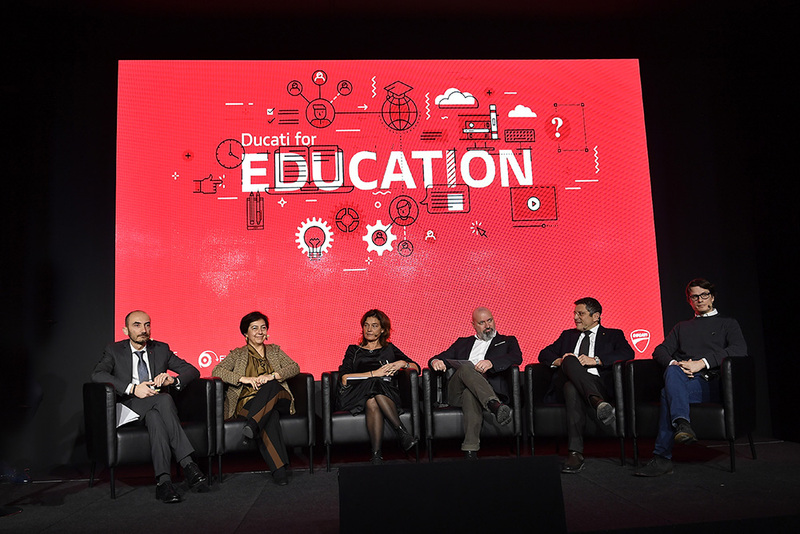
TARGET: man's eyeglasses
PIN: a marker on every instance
(701, 296)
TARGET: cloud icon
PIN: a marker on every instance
(521, 112)
(453, 98)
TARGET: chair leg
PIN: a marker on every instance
(733, 456)
(635, 452)
(311, 459)
(328, 456)
(430, 450)
(752, 445)
(531, 438)
(517, 439)
(622, 452)
(113, 489)
(94, 464)
(416, 450)
(219, 467)
(210, 471)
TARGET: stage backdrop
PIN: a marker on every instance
(316, 190)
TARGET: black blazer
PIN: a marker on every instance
(503, 352)
(116, 365)
(610, 346)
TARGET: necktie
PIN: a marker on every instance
(584, 348)
(144, 374)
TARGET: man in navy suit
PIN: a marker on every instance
(584, 357)
(137, 367)
(477, 383)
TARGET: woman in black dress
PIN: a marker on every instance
(367, 383)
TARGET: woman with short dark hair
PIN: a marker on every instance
(257, 375)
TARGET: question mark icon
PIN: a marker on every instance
(558, 122)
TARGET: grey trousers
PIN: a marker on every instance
(469, 390)
(167, 437)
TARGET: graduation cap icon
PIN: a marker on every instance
(398, 89)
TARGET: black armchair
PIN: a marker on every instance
(130, 444)
(443, 421)
(733, 416)
(342, 427)
(299, 430)
(550, 420)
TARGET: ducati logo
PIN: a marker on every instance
(640, 339)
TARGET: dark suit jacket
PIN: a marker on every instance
(610, 346)
(116, 365)
(503, 352)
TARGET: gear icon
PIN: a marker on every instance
(314, 237)
(379, 237)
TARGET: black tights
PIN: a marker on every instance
(378, 408)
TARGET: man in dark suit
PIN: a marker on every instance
(584, 357)
(137, 367)
(477, 383)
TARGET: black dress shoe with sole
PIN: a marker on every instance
(195, 478)
(166, 493)
(574, 463)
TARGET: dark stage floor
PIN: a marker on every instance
(701, 496)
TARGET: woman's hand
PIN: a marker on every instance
(250, 380)
(390, 369)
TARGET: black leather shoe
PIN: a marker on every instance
(280, 476)
(684, 433)
(194, 477)
(574, 463)
(470, 455)
(656, 467)
(605, 414)
(166, 493)
(502, 412)
(377, 458)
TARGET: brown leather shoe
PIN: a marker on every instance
(574, 463)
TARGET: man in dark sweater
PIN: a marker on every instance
(691, 355)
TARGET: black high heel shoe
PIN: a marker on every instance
(407, 441)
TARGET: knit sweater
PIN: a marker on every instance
(713, 338)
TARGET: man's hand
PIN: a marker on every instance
(559, 361)
(438, 365)
(690, 367)
(483, 366)
(163, 380)
(144, 390)
(586, 361)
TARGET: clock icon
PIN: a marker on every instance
(230, 153)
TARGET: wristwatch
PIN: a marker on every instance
(597, 360)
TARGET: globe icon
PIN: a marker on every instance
(398, 112)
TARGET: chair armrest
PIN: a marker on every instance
(408, 384)
(196, 403)
(218, 395)
(302, 386)
(642, 382)
(100, 419)
(327, 386)
(617, 371)
(737, 389)
(516, 397)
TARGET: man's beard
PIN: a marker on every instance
(486, 335)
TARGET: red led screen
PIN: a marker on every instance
(316, 190)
